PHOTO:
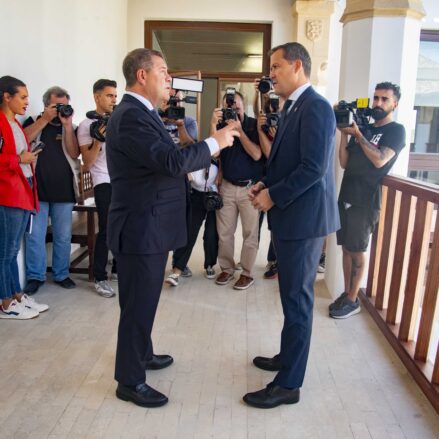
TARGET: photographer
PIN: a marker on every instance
(366, 158)
(57, 170)
(91, 138)
(182, 131)
(241, 167)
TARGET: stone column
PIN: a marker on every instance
(380, 43)
(312, 28)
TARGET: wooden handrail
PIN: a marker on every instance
(403, 278)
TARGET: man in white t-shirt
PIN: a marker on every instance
(91, 139)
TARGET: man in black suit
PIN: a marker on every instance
(299, 194)
(147, 216)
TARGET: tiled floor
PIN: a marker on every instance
(56, 376)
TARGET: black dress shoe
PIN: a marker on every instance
(32, 286)
(159, 362)
(142, 395)
(66, 283)
(272, 396)
(265, 363)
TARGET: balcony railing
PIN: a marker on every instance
(403, 279)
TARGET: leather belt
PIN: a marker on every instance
(241, 183)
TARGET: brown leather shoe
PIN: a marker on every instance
(243, 282)
(224, 278)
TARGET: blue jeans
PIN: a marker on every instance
(36, 259)
(13, 222)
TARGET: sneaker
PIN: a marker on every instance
(322, 264)
(238, 267)
(31, 303)
(113, 277)
(17, 310)
(186, 272)
(243, 282)
(271, 272)
(66, 283)
(337, 301)
(32, 286)
(104, 289)
(210, 272)
(172, 279)
(345, 309)
(224, 278)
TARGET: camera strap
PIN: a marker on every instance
(206, 177)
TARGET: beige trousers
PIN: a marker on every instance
(236, 203)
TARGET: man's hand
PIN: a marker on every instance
(262, 201)
(217, 116)
(353, 130)
(235, 123)
(49, 113)
(66, 121)
(225, 136)
(255, 189)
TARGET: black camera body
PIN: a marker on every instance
(100, 120)
(212, 201)
(357, 111)
(228, 113)
(174, 112)
(273, 116)
(64, 110)
(265, 84)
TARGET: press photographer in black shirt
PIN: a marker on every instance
(366, 158)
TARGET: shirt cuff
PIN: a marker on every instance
(213, 145)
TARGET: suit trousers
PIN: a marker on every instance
(140, 283)
(236, 202)
(297, 264)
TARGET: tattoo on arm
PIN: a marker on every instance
(384, 153)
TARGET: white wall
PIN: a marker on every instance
(431, 20)
(65, 43)
(277, 12)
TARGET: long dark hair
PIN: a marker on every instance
(9, 84)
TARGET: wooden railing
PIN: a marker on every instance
(403, 279)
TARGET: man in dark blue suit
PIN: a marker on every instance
(299, 194)
(147, 215)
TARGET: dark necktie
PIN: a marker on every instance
(156, 115)
(284, 112)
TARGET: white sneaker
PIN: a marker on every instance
(210, 272)
(17, 310)
(113, 277)
(31, 303)
(104, 289)
(172, 279)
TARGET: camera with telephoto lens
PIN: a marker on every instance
(64, 110)
(174, 112)
(99, 121)
(228, 113)
(273, 114)
(212, 201)
(357, 111)
(265, 84)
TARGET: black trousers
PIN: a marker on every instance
(140, 283)
(210, 237)
(102, 193)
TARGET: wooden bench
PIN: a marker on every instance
(84, 226)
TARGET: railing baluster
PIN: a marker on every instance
(400, 259)
(385, 268)
(435, 376)
(416, 269)
(430, 298)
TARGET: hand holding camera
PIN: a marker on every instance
(27, 157)
(99, 125)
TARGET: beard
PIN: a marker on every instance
(379, 114)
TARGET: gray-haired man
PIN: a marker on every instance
(56, 172)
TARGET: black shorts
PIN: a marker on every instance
(357, 224)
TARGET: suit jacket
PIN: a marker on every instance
(148, 177)
(300, 171)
